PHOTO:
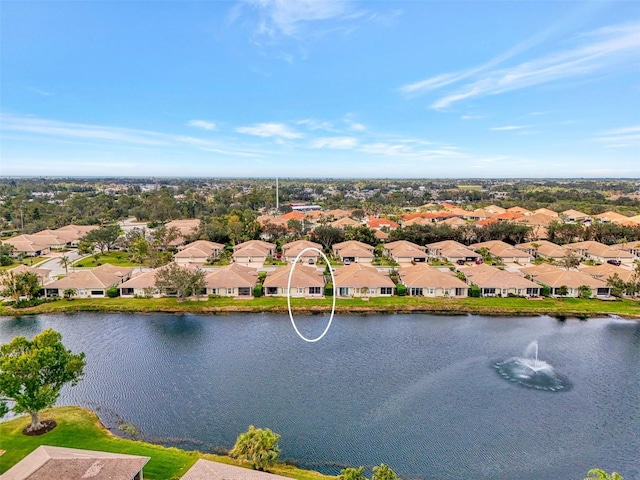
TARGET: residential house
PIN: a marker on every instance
(187, 227)
(345, 222)
(198, 253)
(305, 282)
(62, 463)
(381, 235)
(539, 223)
(403, 251)
(74, 232)
(54, 240)
(543, 249)
(574, 216)
(631, 247)
(600, 252)
(546, 211)
(291, 250)
(424, 281)
(232, 280)
(358, 280)
(495, 209)
(253, 251)
(455, 222)
(452, 251)
(43, 274)
(520, 210)
(338, 213)
(612, 217)
(494, 282)
(26, 246)
(573, 280)
(142, 284)
(92, 283)
(506, 252)
(208, 470)
(532, 271)
(605, 271)
(382, 223)
(353, 251)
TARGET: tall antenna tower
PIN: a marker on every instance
(277, 197)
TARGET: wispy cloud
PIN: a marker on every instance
(335, 142)
(290, 17)
(599, 51)
(204, 124)
(472, 117)
(507, 128)
(621, 137)
(269, 130)
(40, 92)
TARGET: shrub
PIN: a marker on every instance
(5, 260)
(474, 291)
(401, 290)
(257, 291)
(328, 290)
(113, 292)
(545, 291)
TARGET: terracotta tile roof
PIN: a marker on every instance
(378, 223)
(345, 222)
(254, 245)
(604, 271)
(601, 250)
(450, 249)
(292, 216)
(569, 279)
(352, 244)
(544, 248)
(495, 209)
(486, 276)
(521, 210)
(546, 211)
(292, 249)
(200, 249)
(508, 216)
(500, 249)
(484, 223)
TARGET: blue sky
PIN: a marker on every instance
(320, 88)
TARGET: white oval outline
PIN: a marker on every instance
(333, 308)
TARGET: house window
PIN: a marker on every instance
(314, 290)
(460, 292)
(532, 292)
(602, 292)
(301, 290)
(416, 292)
(214, 291)
(229, 291)
(489, 291)
(126, 291)
(343, 291)
(97, 293)
(244, 291)
(431, 291)
(272, 290)
(386, 291)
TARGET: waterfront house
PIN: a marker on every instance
(92, 283)
(208, 470)
(62, 463)
(606, 270)
(494, 282)
(573, 280)
(424, 281)
(358, 280)
(305, 282)
(43, 274)
(198, 253)
(142, 284)
(353, 251)
(233, 280)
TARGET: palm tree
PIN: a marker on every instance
(64, 263)
(597, 474)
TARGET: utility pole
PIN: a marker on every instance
(277, 197)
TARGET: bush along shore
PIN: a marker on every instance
(561, 307)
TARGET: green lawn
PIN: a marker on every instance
(80, 428)
(29, 261)
(484, 306)
(114, 258)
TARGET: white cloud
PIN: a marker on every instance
(288, 16)
(621, 137)
(204, 124)
(506, 128)
(602, 50)
(334, 142)
(269, 130)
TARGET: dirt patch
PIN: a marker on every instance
(47, 426)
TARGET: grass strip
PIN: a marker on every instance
(81, 428)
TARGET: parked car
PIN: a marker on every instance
(617, 263)
(460, 262)
(312, 261)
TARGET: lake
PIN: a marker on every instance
(418, 392)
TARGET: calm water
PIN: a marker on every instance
(415, 391)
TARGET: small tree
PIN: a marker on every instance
(182, 281)
(105, 238)
(32, 373)
(18, 285)
(65, 262)
(563, 291)
(258, 446)
(383, 472)
(598, 474)
(69, 292)
(351, 473)
(570, 260)
(401, 290)
(584, 291)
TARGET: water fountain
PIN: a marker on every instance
(531, 372)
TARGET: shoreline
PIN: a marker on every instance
(516, 307)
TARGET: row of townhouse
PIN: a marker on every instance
(43, 242)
